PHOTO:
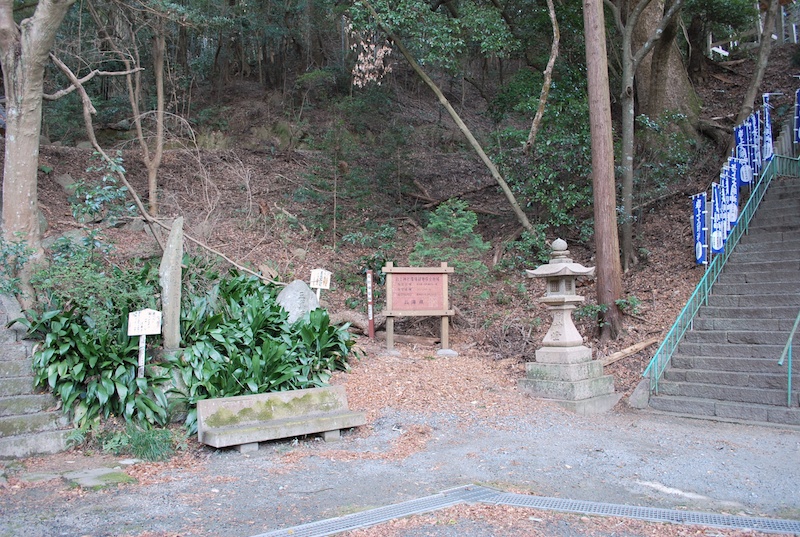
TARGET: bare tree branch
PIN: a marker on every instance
(520, 214)
(88, 110)
(66, 91)
(548, 78)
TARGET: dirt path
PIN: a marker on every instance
(627, 457)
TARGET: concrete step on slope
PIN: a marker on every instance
(766, 266)
(754, 300)
(755, 312)
(760, 396)
(743, 379)
(779, 254)
(729, 350)
(16, 350)
(26, 404)
(731, 364)
(766, 244)
(776, 277)
(26, 445)
(16, 368)
(784, 231)
(779, 325)
(779, 218)
(31, 423)
(16, 386)
(737, 337)
(726, 409)
(751, 289)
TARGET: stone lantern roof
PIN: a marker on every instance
(560, 264)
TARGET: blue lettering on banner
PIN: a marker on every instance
(717, 230)
(700, 229)
(797, 116)
(769, 150)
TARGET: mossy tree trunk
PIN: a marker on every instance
(24, 53)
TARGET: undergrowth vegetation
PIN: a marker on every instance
(236, 339)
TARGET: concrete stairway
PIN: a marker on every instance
(727, 366)
(28, 425)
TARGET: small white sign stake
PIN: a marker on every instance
(320, 279)
(143, 323)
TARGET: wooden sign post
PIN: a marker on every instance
(417, 292)
(143, 323)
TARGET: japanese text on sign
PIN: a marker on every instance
(423, 292)
(144, 323)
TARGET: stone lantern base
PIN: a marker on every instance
(570, 378)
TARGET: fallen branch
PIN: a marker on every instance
(633, 349)
(406, 338)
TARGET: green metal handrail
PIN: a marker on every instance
(787, 353)
(779, 165)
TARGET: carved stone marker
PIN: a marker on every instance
(298, 299)
(169, 277)
(564, 371)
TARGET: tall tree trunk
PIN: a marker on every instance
(696, 36)
(761, 63)
(630, 63)
(23, 55)
(669, 87)
(609, 270)
(154, 163)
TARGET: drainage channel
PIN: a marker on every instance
(478, 494)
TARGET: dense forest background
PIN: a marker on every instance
(307, 115)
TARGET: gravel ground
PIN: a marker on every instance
(627, 457)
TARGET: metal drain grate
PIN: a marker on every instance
(372, 517)
(651, 514)
(474, 494)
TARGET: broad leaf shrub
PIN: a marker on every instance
(237, 341)
(92, 372)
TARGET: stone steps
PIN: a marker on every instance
(757, 312)
(737, 394)
(731, 364)
(29, 423)
(738, 337)
(767, 244)
(781, 325)
(728, 410)
(754, 300)
(729, 350)
(726, 367)
(741, 379)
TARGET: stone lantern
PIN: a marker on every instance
(564, 371)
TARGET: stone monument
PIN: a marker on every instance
(169, 277)
(564, 371)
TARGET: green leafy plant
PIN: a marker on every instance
(591, 311)
(118, 438)
(238, 341)
(450, 237)
(81, 279)
(629, 304)
(94, 373)
(13, 256)
(105, 200)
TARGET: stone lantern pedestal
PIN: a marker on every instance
(564, 371)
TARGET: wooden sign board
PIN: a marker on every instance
(320, 279)
(146, 322)
(417, 292)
